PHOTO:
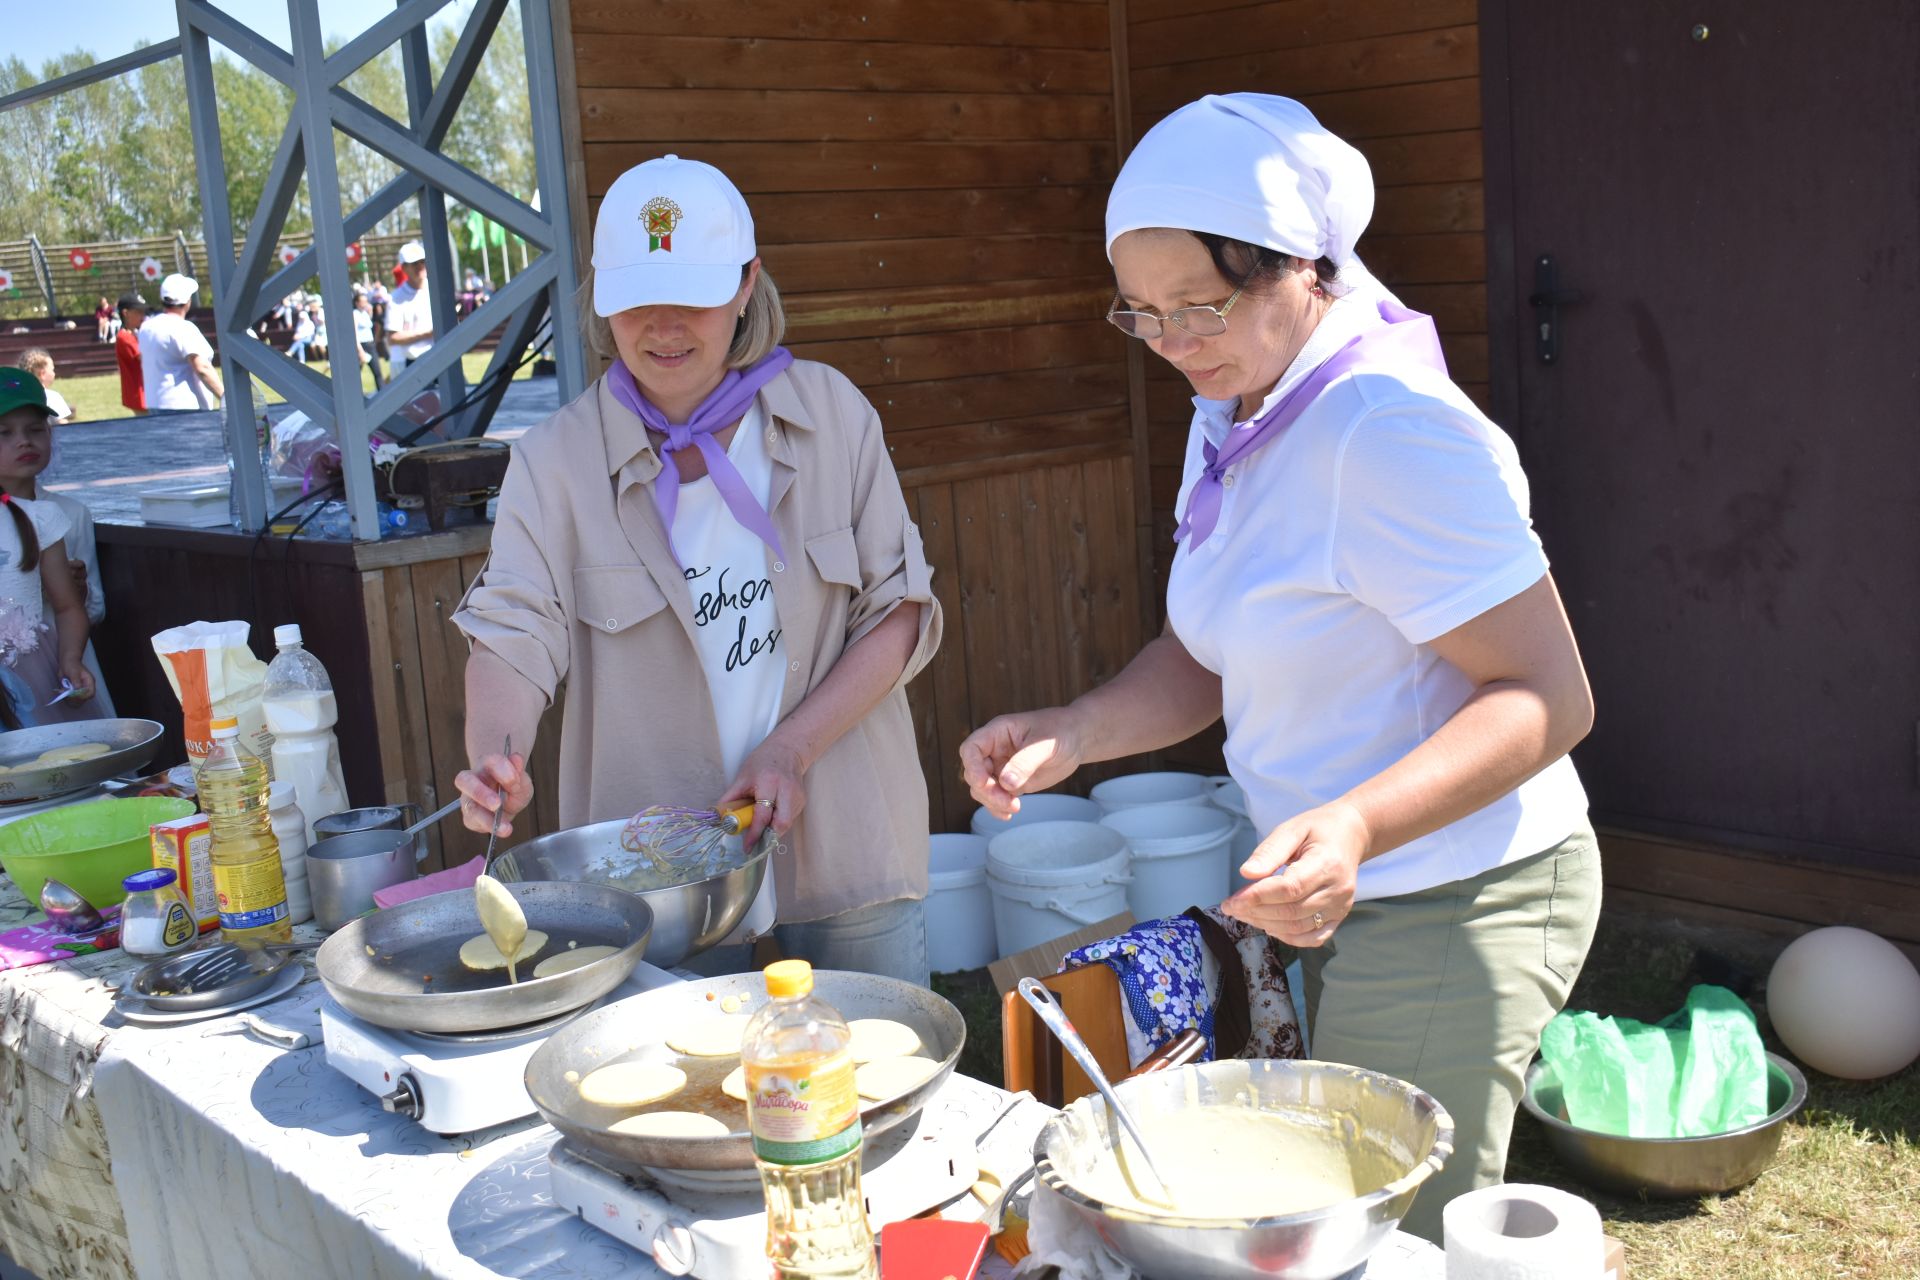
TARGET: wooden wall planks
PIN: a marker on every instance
(1397, 78)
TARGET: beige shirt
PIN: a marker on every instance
(581, 588)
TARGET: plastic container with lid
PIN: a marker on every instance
(290, 833)
(154, 917)
(803, 1109)
(300, 708)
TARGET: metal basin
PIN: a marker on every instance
(1668, 1168)
(130, 744)
(1400, 1137)
(689, 916)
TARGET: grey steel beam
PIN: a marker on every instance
(298, 385)
(442, 285)
(549, 158)
(239, 37)
(243, 441)
(468, 50)
(91, 75)
(363, 48)
(520, 332)
(447, 349)
(239, 305)
(350, 416)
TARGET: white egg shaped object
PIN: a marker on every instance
(1846, 1002)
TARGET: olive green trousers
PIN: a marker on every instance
(1449, 988)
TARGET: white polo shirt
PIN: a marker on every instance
(1390, 512)
(168, 344)
(409, 311)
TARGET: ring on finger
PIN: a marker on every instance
(1319, 921)
(766, 804)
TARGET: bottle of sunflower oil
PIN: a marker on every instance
(804, 1114)
(247, 878)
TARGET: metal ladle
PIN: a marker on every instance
(68, 911)
(1041, 998)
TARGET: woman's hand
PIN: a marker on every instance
(772, 776)
(496, 784)
(77, 675)
(1014, 754)
(1303, 875)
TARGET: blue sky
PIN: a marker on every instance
(108, 28)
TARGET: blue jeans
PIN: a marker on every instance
(889, 939)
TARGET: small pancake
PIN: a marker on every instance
(735, 1085)
(74, 754)
(478, 953)
(672, 1124)
(625, 1085)
(885, 1078)
(875, 1038)
(568, 961)
(709, 1037)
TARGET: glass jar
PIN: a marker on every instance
(155, 919)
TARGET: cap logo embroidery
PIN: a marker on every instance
(661, 216)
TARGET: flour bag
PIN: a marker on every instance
(215, 674)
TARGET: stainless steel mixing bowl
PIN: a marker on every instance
(1390, 1125)
(1668, 1168)
(689, 916)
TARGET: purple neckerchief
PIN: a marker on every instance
(1406, 336)
(722, 408)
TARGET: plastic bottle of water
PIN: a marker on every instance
(300, 709)
(336, 525)
(804, 1113)
(246, 858)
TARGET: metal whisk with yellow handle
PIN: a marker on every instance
(678, 839)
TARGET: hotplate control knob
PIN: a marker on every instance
(673, 1248)
(404, 1100)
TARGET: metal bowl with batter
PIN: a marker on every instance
(690, 915)
(1395, 1137)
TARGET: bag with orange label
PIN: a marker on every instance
(214, 674)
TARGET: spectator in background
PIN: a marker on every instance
(363, 335)
(126, 353)
(176, 361)
(103, 322)
(38, 361)
(303, 331)
(320, 346)
(410, 317)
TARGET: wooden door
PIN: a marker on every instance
(1725, 448)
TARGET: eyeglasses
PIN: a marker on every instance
(1201, 322)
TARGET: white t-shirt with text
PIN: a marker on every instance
(167, 344)
(1390, 512)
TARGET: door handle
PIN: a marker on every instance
(1546, 300)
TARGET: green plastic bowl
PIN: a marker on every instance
(89, 847)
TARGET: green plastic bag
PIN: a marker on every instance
(1700, 1071)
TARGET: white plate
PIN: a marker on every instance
(135, 1010)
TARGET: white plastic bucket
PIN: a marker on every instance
(1050, 878)
(1136, 789)
(959, 905)
(1229, 795)
(1042, 806)
(1180, 854)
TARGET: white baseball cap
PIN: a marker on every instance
(176, 289)
(413, 251)
(671, 232)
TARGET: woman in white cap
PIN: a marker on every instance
(711, 550)
(1358, 590)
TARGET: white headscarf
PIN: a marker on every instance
(1254, 167)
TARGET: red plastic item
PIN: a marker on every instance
(931, 1249)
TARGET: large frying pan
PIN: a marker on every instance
(636, 1028)
(401, 967)
(130, 744)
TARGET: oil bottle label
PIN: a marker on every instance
(253, 894)
(803, 1113)
(179, 925)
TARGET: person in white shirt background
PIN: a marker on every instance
(1358, 590)
(410, 314)
(176, 359)
(39, 362)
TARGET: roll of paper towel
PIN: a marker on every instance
(1522, 1232)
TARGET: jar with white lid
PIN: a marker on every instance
(155, 919)
(290, 829)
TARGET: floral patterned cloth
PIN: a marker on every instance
(1163, 970)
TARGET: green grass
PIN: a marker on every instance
(97, 399)
(1842, 1201)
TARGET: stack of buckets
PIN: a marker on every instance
(1152, 844)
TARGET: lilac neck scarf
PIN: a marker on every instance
(1407, 336)
(722, 408)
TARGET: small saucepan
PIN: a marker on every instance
(345, 871)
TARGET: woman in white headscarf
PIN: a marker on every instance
(1357, 588)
